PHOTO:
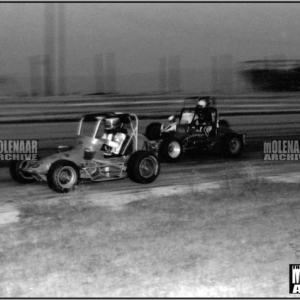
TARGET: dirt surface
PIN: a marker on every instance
(211, 229)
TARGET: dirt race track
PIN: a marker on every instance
(230, 225)
(203, 173)
(270, 227)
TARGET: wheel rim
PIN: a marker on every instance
(234, 145)
(174, 149)
(67, 177)
(22, 165)
(147, 167)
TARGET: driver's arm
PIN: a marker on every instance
(110, 143)
(107, 140)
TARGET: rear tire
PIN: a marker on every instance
(62, 176)
(143, 167)
(223, 123)
(233, 146)
(153, 131)
(18, 175)
(171, 149)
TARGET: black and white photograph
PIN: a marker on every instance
(149, 149)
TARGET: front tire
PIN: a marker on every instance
(143, 167)
(17, 174)
(63, 176)
(171, 149)
(153, 131)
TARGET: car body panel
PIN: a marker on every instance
(94, 144)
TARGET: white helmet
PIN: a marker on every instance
(172, 119)
(112, 123)
(201, 103)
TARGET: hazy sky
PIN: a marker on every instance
(140, 33)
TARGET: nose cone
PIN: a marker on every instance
(38, 167)
(76, 155)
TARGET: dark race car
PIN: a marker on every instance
(197, 130)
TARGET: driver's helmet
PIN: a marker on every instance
(112, 123)
(201, 103)
(172, 119)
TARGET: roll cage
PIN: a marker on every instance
(207, 114)
(130, 119)
(211, 101)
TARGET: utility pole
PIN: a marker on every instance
(35, 66)
(214, 74)
(162, 76)
(110, 72)
(61, 50)
(174, 80)
(49, 48)
(99, 74)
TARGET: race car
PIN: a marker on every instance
(107, 147)
(198, 129)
